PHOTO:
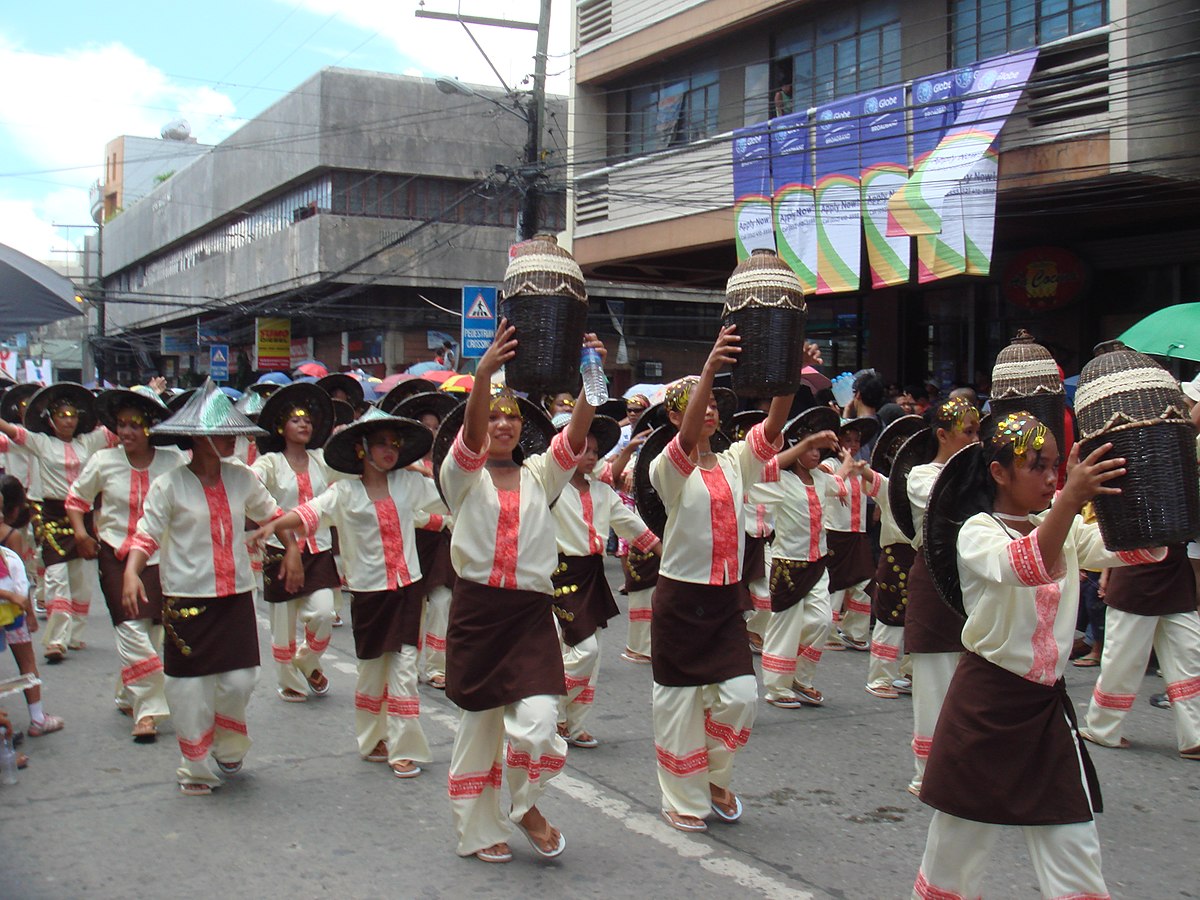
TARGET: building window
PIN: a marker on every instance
(984, 28)
(836, 55)
(673, 112)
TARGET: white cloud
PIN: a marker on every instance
(435, 47)
(25, 225)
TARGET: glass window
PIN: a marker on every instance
(985, 28)
(673, 112)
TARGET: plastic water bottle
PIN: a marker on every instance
(8, 761)
(595, 385)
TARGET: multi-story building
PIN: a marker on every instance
(357, 206)
(134, 166)
(1098, 174)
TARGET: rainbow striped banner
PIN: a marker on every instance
(754, 225)
(995, 87)
(884, 157)
(838, 197)
(795, 205)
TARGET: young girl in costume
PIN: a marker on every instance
(931, 629)
(503, 663)
(1005, 751)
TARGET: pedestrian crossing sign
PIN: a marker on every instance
(478, 320)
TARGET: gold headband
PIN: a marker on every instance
(505, 401)
(637, 401)
(64, 408)
(133, 417)
(958, 411)
(679, 393)
(1023, 432)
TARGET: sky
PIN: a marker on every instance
(78, 73)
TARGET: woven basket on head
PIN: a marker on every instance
(544, 298)
(1129, 400)
(765, 300)
(1025, 379)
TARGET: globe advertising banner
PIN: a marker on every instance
(795, 205)
(753, 225)
(884, 160)
(838, 202)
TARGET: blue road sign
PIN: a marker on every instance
(478, 320)
(218, 362)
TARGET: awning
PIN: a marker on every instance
(32, 294)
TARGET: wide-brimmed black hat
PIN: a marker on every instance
(279, 406)
(645, 497)
(342, 450)
(654, 417)
(813, 421)
(866, 426)
(343, 413)
(916, 450)
(536, 433)
(251, 404)
(438, 403)
(739, 424)
(340, 381)
(144, 400)
(37, 414)
(890, 441)
(956, 496)
(13, 397)
(208, 412)
(607, 432)
(404, 390)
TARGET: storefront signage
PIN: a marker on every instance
(274, 343)
(1044, 278)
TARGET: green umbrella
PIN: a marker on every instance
(1173, 332)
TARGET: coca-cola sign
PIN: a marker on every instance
(1044, 278)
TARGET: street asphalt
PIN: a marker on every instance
(827, 816)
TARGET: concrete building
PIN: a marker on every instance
(1098, 173)
(357, 206)
(134, 166)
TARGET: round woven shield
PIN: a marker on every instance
(890, 441)
(741, 423)
(915, 451)
(645, 497)
(953, 500)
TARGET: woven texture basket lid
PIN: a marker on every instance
(541, 268)
(1024, 369)
(763, 280)
(1121, 388)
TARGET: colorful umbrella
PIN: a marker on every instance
(437, 376)
(424, 368)
(391, 381)
(1173, 332)
(458, 384)
(313, 368)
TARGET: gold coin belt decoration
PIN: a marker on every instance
(781, 569)
(170, 613)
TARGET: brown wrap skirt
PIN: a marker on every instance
(583, 601)
(112, 585)
(889, 599)
(930, 625)
(792, 579)
(209, 635)
(850, 559)
(385, 621)
(698, 633)
(320, 573)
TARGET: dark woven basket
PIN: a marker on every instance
(915, 451)
(1129, 400)
(765, 300)
(1025, 379)
(550, 340)
(645, 497)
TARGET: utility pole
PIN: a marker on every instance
(533, 111)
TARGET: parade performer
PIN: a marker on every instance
(889, 594)
(430, 408)
(1005, 751)
(705, 693)
(503, 663)
(120, 478)
(375, 515)
(193, 517)
(61, 433)
(583, 601)
(800, 493)
(756, 560)
(931, 630)
(298, 419)
(851, 564)
(1149, 607)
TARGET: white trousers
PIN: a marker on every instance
(887, 643)
(1066, 858)
(141, 684)
(69, 588)
(582, 665)
(639, 621)
(931, 679)
(434, 621)
(209, 714)
(387, 707)
(525, 736)
(697, 733)
(294, 663)
(794, 640)
(1127, 642)
(855, 605)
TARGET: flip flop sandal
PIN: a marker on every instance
(379, 754)
(1086, 662)
(287, 695)
(195, 789)
(680, 825)
(145, 731)
(55, 653)
(583, 741)
(1193, 753)
(1125, 743)
(438, 682)
(319, 683)
(726, 817)
(229, 768)
(23, 760)
(412, 771)
(785, 702)
(537, 847)
(488, 855)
